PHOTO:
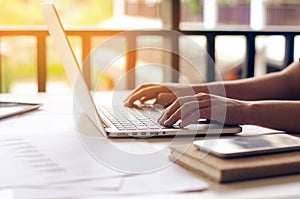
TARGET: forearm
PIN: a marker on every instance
(280, 85)
(267, 87)
(281, 115)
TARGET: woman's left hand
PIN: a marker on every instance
(191, 108)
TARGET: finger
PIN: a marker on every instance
(172, 120)
(175, 105)
(180, 113)
(204, 96)
(165, 99)
(146, 93)
(163, 117)
(185, 111)
(205, 113)
(192, 118)
(140, 88)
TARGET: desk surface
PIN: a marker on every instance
(58, 110)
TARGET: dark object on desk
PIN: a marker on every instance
(8, 109)
(236, 169)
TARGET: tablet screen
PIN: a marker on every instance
(249, 145)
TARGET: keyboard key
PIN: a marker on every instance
(132, 119)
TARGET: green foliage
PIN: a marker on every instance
(285, 2)
(233, 2)
(194, 6)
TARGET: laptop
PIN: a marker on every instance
(116, 121)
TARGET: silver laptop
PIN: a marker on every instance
(116, 121)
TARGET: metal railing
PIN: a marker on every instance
(86, 34)
(40, 33)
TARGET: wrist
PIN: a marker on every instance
(200, 88)
(250, 112)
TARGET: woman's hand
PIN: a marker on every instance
(191, 108)
(163, 94)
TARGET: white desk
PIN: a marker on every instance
(56, 117)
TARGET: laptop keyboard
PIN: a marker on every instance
(124, 118)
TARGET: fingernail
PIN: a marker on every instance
(160, 122)
(182, 125)
(166, 123)
(127, 104)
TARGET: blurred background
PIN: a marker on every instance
(18, 54)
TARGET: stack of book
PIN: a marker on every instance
(235, 169)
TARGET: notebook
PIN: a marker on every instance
(115, 121)
(236, 169)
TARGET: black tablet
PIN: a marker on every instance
(8, 109)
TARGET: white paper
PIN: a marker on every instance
(111, 184)
(170, 179)
(81, 175)
(8, 122)
(173, 179)
(30, 160)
